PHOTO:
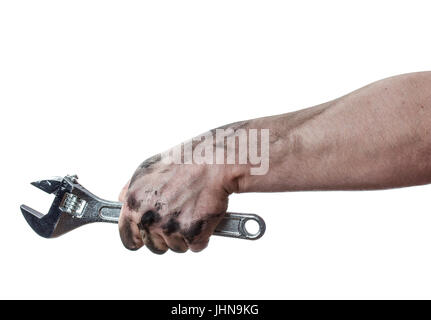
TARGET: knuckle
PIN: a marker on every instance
(170, 227)
(148, 219)
(192, 232)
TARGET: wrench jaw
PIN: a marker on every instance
(49, 185)
(43, 225)
(56, 222)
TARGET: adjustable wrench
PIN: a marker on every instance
(75, 206)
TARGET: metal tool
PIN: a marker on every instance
(75, 206)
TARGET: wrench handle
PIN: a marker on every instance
(232, 225)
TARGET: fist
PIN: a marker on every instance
(173, 206)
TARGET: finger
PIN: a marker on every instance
(123, 193)
(155, 243)
(171, 234)
(198, 233)
(199, 246)
(129, 232)
(176, 243)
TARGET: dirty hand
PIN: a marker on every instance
(173, 206)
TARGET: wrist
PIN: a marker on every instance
(246, 154)
(233, 178)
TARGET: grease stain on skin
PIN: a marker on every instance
(145, 167)
(178, 249)
(158, 205)
(149, 162)
(178, 244)
(149, 243)
(193, 231)
(149, 218)
(171, 226)
(127, 238)
(132, 203)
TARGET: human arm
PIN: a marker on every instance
(373, 138)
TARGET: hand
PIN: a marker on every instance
(173, 206)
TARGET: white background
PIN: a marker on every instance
(95, 87)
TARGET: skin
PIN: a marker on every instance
(376, 137)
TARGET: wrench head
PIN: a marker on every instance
(49, 185)
(56, 222)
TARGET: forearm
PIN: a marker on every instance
(376, 137)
